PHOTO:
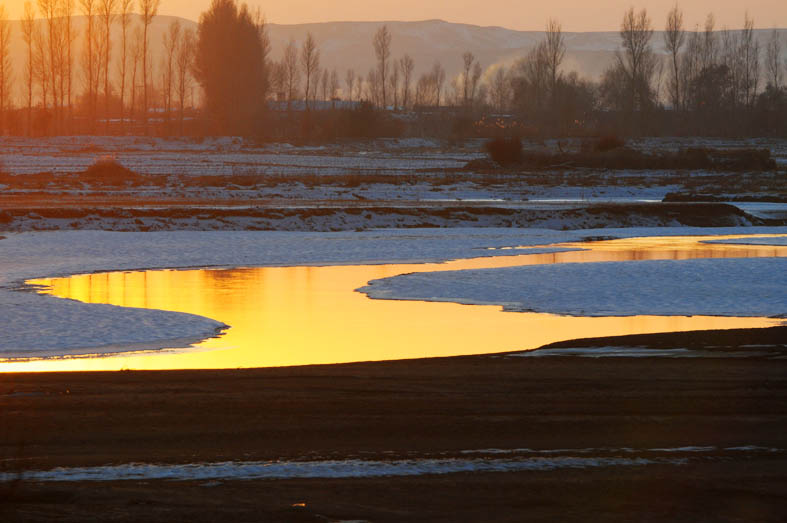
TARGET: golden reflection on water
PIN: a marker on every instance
(283, 316)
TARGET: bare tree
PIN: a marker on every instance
(292, 73)
(750, 57)
(5, 66)
(325, 82)
(69, 34)
(637, 59)
(468, 60)
(265, 47)
(674, 38)
(334, 87)
(148, 10)
(136, 58)
(125, 21)
(89, 69)
(310, 61)
(382, 50)
(554, 52)
(500, 90)
(406, 64)
(106, 12)
(171, 42)
(185, 61)
(773, 60)
(358, 87)
(393, 83)
(28, 32)
(48, 10)
(439, 80)
(477, 72)
(709, 51)
(349, 81)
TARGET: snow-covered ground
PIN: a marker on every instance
(730, 287)
(36, 323)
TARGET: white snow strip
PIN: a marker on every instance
(324, 469)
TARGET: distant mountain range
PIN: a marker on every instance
(346, 45)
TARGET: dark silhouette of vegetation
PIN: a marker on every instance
(230, 67)
(505, 151)
(707, 82)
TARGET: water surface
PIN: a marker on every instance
(282, 316)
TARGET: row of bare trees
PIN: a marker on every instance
(111, 79)
(108, 79)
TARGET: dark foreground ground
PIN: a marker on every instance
(405, 409)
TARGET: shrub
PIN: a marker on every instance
(608, 143)
(107, 171)
(505, 151)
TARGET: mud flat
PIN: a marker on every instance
(705, 438)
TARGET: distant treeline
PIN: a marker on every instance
(223, 80)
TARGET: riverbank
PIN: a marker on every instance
(733, 410)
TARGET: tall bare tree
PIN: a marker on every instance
(349, 80)
(310, 61)
(709, 46)
(107, 14)
(637, 59)
(477, 72)
(136, 58)
(393, 83)
(500, 90)
(750, 58)
(171, 42)
(185, 61)
(89, 58)
(439, 80)
(674, 38)
(5, 66)
(468, 59)
(48, 9)
(148, 10)
(41, 65)
(292, 72)
(773, 60)
(382, 50)
(406, 65)
(334, 87)
(124, 16)
(69, 34)
(325, 83)
(555, 53)
(28, 32)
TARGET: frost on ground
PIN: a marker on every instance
(36, 323)
(725, 287)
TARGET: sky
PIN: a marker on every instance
(575, 15)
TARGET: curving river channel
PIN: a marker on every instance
(283, 316)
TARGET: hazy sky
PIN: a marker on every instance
(575, 15)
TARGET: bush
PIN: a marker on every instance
(608, 143)
(107, 171)
(505, 151)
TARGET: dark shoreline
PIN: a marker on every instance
(401, 409)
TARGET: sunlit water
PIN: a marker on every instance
(282, 316)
